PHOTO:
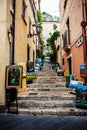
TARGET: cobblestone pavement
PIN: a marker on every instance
(42, 122)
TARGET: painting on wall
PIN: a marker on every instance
(14, 76)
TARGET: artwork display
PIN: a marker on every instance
(81, 96)
(14, 76)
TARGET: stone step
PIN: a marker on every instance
(49, 80)
(45, 104)
(35, 85)
(32, 88)
(47, 91)
(58, 78)
(47, 74)
(54, 111)
(47, 71)
(44, 97)
(46, 81)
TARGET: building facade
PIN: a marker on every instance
(18, 42)
(47, 31)
(58, 50)
(72, 39)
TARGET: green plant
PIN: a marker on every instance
(30, 77)
(51, 42)
(39, 15)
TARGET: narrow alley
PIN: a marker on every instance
(43, 64)
(47, 105)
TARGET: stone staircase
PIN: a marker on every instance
(48, 95)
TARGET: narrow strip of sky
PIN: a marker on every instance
(50, 6)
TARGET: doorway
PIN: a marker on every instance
(70, 64)
(28, 57)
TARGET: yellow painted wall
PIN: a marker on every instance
(4, 48)
(21, 39)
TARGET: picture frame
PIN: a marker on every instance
(13, 76)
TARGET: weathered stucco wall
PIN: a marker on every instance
(4, 49)
(21, 39)
(73, 11)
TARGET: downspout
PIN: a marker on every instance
(83, 24)
(39, 4)
(84, 36)
(13, 33)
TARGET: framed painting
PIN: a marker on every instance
(14, 76)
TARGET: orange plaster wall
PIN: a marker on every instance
(77, 60)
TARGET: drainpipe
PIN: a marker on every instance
(39, 4)
(83, 24)
(13, 34)
(84, 33)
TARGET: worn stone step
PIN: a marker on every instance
(47, 92)
(58, 78)
(49, 80)
(47, 73)
(46, 97)
(35, 85)
(47, 88)
(52, 111)
(45, 104)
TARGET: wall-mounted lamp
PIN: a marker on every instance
(83, 24)
(38, 30)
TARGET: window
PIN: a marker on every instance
(64, 37)
(54, 27)
(28, 57)
(30, 28)
(29, 25)
(24, 10)
(28, 53)
(65, 3)
(34, 37)
(68, 29)
(63, 61)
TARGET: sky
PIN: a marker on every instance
(50, 6)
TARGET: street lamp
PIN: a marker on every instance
(38, 30)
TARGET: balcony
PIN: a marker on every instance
(66, 41)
